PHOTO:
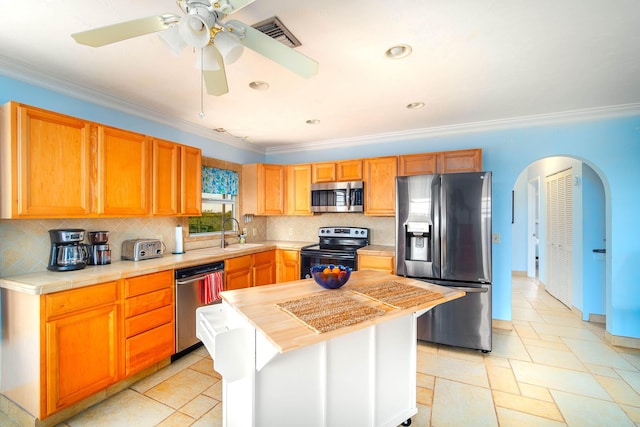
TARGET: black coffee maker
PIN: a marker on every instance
(67, 250)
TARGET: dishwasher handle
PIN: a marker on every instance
(192, 279)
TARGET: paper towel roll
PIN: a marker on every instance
(179, 249)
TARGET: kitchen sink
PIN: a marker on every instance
(242, 246)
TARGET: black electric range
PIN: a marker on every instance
(337, 245)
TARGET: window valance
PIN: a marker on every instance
(219, 181)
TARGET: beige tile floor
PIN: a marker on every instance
(551, 370)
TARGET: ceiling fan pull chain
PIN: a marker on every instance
(202, 114)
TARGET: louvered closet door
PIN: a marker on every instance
(559, 235)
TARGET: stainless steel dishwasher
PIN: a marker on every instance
(188, 284)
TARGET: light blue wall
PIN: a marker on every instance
(13, 90)
(611, 147)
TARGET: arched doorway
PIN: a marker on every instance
(530, 240)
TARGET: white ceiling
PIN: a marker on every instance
(473, 61)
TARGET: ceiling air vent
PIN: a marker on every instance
(275, 29)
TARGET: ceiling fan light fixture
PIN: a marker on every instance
(259, 85)
(228, 46)
(194, 31)
(398, 51)
(172, 38)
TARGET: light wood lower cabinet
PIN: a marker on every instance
(288, 265)
(148, 320)
(264, 268)
(237, 272)
(377, 262)
(81, 345)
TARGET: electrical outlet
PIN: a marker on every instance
(255, 231)
(495, 237)
(159, 237)
(290, 231)
(244, 231)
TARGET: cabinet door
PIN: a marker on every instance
(165, 177)
(461, 161)
(271, 189)
(299, 190)
(323, 172)
(418, 164)
(349, 170)
(48, 171)
(288, 265)
(190, 181)
(81, 355)
(380, 186)
(264, 268)
(123, 173)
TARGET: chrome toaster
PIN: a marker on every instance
(139, 249)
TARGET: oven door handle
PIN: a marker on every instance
(194, 278)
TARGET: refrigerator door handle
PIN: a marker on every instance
(471, 290)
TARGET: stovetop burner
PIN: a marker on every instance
(343, 239)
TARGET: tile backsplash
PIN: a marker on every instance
(25, 243)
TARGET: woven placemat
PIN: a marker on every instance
(329, 310)
(397, 295)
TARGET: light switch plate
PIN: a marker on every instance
(495, 237)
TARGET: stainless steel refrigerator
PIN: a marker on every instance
(443, 236)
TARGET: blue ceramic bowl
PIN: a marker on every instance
(327, 276)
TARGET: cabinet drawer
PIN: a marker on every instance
(376, 262)
(77, 299)
(239, 263)
(264, 257)
(148, 348)
(146, 321)
(147, 283)
(147, 302)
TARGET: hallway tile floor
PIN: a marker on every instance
(552, 369)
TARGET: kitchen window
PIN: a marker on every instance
(219, 193)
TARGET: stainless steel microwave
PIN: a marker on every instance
(337, 197)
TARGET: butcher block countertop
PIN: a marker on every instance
(258, 306)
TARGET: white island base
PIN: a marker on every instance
(362, 378)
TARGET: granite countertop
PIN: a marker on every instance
(45, 282)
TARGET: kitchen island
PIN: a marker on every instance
(279, 368)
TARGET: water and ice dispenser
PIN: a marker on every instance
(418, 240)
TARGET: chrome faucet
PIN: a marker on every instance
(223, 222)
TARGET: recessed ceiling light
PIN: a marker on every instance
(258, 85)
(313, 121)
(398, 51)
(415, 105)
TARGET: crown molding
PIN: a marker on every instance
(22, 72)
(588, 114)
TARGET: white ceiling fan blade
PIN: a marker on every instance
(125, 30)
(216, 80)
(230, 6)
(276, 51)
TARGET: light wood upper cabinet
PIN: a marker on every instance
(349, 170)
(380, 186)
(166, 167)
(461, 161)
(323, 172)
(81, 344)
(418, 164)
(299, 190)
(190, 181)
(263, 189)
(345, 170)
(45, 169)
(124, 172)
(441, 162)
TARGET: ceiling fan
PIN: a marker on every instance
(215, 41)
